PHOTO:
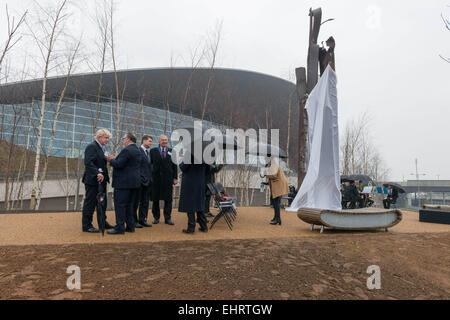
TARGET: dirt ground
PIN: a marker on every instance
(414, 265)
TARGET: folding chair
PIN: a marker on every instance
(227, 208)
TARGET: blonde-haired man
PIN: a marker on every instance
(95, 173)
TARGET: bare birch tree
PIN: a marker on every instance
(111, 43)
(197, 54)
(11, 152)
(70, 65)
(103, 24)
(13, 35)
(447, 26)
(212, 49)
(51, 27)
(359, 155)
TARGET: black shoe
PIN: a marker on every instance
(145, 224)
(155, 221)
(188, 231)
(209, 215)
(275, 222)
(129, 230)
(92, 230)
(108, 226)
(115, 232)
(138, 225)
(169, 222)
(205, 229)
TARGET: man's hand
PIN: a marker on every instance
(175, 182)
(100, 177)
(109, 158)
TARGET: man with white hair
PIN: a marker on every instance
(96, 172)
(164, 176)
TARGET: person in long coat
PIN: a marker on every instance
(164, 176)
(278, 187)
(192, 195)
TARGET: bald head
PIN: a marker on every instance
(163, 141)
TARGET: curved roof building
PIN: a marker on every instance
(151, 101)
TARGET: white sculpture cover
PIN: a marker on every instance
(320, 188)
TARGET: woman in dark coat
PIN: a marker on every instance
(192, 195)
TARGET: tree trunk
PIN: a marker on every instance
(302, 129)
(43, 101)
(55, 121)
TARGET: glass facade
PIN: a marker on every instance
(75, 124)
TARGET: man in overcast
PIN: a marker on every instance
(165, 176)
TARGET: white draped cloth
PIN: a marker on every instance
(320, 188)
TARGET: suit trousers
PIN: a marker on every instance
(124, 200)
(141, 202)
(167, 210)
(201, 219)
(90, 203)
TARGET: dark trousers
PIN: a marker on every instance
(124, 200)
(276, 207)
(349, 204)
(90, 203)
(387, 202)
(207, 203)
(141, 201)
(167, 210)
(200, 219)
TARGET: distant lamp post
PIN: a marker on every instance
(418, 182)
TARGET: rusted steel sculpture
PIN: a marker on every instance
(307, 79)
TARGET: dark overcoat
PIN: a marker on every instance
(127, 168)
(164, 171)
(192, 195)
(94, 163)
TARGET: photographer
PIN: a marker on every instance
(278, 187)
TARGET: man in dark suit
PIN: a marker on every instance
(126, 182)
(391, 198)
(96, 172)
(143, 197)
(165, 176)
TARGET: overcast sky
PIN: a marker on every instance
(387, 59)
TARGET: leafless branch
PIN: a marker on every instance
(13, 37)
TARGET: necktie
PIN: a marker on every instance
(146, 153)
(164, 153)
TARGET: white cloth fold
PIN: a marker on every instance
(320, 188)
